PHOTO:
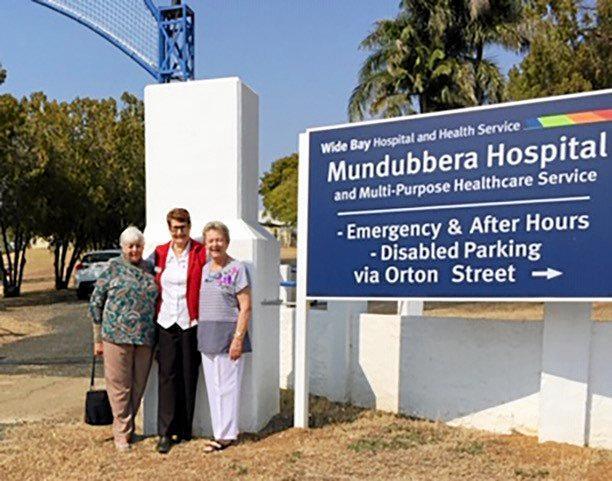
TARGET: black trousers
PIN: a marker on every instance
(179, 367)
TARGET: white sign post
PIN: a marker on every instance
(301, 306)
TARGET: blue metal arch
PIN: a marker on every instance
(153, 9)
(175, 41)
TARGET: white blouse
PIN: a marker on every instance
(173, 309)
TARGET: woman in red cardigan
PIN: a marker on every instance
(178, 272)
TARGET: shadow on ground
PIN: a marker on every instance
(40, 298)
(323, 412)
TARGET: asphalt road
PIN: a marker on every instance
(46, 377)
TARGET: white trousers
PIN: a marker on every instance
(223, 378)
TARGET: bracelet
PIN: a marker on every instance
(239, 335)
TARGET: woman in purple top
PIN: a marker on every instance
(225, 310)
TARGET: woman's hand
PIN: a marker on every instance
(98, 349)
(235, 350)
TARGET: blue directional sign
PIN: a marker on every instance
(511, 201)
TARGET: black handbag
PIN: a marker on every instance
(97, 407)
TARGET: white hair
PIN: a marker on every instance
(218, 226)
(131, 235)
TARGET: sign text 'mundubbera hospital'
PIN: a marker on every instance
(567, 149)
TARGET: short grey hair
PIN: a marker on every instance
(216, 225)
(131, 235)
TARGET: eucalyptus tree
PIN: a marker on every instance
(117, 186)
(21, 179)
(128, 169)
(278, 188)
(96, 176)
(570, 51)
(78, 139)
(11, 126)
(71, 172)
(64, 203)
(431, 57)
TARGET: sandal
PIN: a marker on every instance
(214, 445)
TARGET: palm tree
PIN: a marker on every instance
(485, 25)
(431, 57)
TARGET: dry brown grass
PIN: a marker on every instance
(346, 443)
(26, 316)
(510, 311)
(288, 254)
(518, 311)
(38, 271)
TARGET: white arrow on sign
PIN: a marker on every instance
(548, 273)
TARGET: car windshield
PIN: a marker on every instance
(99, 257)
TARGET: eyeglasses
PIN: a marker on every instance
(179, 228)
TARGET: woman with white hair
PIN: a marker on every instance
(122, 308)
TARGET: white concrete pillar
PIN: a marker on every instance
(565, 372)
(376, 356)
(202, 143)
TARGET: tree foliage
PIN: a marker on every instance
(431, 57)
(21, 180)
(571, 49)
(2, 74)
(279, 189)
(72, 172)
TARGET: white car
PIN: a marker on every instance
(88, 270)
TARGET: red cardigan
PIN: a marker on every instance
(197, 259)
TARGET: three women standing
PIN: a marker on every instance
(200, 306)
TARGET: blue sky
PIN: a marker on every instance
(300, 56)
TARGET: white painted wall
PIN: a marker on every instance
(202, 144)
(472, 372)
(599, 433)
(477, 373)
(329, 349)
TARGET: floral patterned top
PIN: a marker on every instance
(123, 302)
